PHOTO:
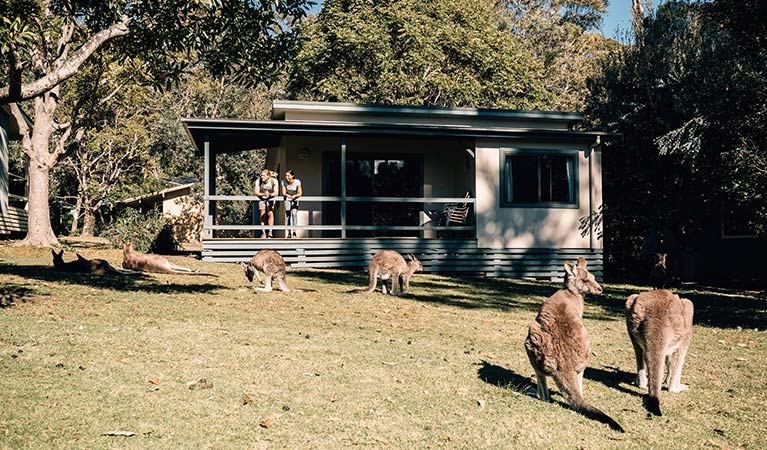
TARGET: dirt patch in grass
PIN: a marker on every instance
(92, 362)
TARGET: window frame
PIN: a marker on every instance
(505, 179)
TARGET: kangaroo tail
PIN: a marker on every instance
(655, 364)
(371, 285)
(568, 384)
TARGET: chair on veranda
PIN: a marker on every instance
(455, 214)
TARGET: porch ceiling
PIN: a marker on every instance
(226, 135)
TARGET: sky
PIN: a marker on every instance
(618, 16)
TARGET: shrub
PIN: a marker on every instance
(150, 231)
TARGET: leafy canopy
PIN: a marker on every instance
(443, 53)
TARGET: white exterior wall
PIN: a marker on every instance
(508, 227)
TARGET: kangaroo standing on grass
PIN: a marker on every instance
(151, 263)
(558, 343)
(659, 274)
(84, 265)
(390, 264)
(660, 326)
(273, 265)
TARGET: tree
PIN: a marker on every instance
(113, 143)
(558, 33)
(689, 100)
(443, 53)
(47, 42)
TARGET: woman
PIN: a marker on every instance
(266, 190)
(292, 191)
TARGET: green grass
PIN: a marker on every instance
(442, 368)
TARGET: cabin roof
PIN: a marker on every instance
(156, 196)
(280, 107)
(231, 135)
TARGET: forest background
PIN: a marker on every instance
(106, 83)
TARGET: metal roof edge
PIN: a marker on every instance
(279, 107)
(157, 193)
(276, 125)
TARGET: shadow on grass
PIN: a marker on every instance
(11, 294)
(720, 308)
(127, 283)
(613, 378)
(503, 378)
(717, 308)
(461, 291)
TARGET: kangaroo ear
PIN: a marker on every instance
(79, 257)
(571, 269)
(244, 265)
(53, 252)
(61, 253)
(581, 262)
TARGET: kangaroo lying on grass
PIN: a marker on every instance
(558, 342)
(660, 326)
(83, 265)
(152, 263)
(273, 265)
(390, 264)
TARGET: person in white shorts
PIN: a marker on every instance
(292, 191)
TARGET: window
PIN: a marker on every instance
(534, 178)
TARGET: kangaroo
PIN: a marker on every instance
(659, 275)
(273, 265)
(151, 263)
(660, 326)
(390, 264)
(84, 265)
(558, 343)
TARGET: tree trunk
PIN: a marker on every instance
(39, 231)
(75, 218)
(88, 219)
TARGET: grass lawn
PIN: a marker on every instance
(83, 356)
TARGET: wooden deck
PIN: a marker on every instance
(436, 255)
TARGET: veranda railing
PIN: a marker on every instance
(343, 227)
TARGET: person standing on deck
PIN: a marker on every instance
(266, 191)
(292, 191)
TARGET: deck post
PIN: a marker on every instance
(210, 188)
(343, 188)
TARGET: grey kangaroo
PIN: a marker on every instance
(273, 265)
(660, 326)
(390, 264)
(558, 343)
(151, 263)
(659, 277)
(84, 265)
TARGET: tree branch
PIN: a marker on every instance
(67, 67)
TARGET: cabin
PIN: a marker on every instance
(178, 206)
(13, 213)
(484, 191)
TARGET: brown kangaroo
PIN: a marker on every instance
(390, 264)
(151, 263)
(558, 343)
(84, 265)
(273, 265)
(659, 274)
(660, 326)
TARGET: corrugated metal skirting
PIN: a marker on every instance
(436, 255)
